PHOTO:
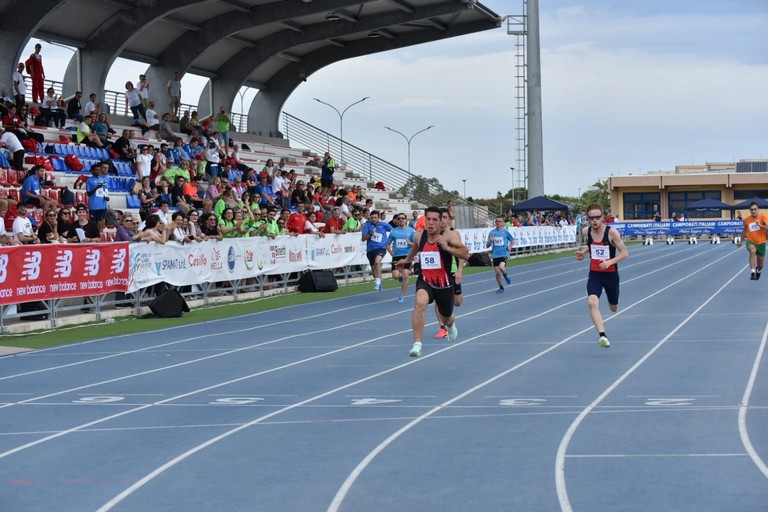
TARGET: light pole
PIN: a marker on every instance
(341, 123)
(408, 140)
(514, 185)
(465, 189)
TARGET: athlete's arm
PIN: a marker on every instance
(618, 243)
(454, 245)
(583, 251)
(412, 253)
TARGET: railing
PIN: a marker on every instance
(423, 190)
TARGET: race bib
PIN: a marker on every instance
(599, 252)
(376, 237)
(430, 260)
(754, 226)
(498, 241)
(401, 243)
(100, 192)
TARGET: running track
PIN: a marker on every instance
(317, 407)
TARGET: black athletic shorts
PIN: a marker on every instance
(608, 281)
(442, 297)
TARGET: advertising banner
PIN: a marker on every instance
(55, 271)
(684, 228)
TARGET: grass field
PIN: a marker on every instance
(131, 324)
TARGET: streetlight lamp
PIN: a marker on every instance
(465, 189)
(341, 122)
(408, 140)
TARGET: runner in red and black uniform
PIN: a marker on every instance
(436, 251)
(602, 245)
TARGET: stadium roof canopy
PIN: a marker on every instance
(271, 45)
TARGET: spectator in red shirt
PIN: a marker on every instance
(297, 221)
(334, 224)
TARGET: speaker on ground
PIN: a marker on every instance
(318, 281)
(169, 304)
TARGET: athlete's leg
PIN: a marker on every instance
(404, 288)
(594, 311)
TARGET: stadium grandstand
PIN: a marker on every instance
(72, 147)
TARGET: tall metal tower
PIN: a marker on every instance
(529, 150)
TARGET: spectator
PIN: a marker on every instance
(34, 66)
(22, 227)
(19, 86)
(334, 224)
(13, 123)
(297, 222)
(157, 166)
(153, 119)
(223, 122)
(126, 231)
(4, 238)
(174, 95)
(177, 195)
(83, 230)
(353, 223)
(32, 189)
(93, 106)
(213, 158)
(142, 88)
(327, 170)
(310, 226)
(12, 143)
(264, 193)
(300, 195)
(124, 148)
(102, 128)
(48, 232)
(98, 197)
(63, 223)
(154, 230)
(165, 131)
(74, 107)
(148, 196)
(86, 135)
(30, 132)
(52, 110)
(135, 103)
(193, 227)
(184, 123)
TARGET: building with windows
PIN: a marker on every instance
(669, 192)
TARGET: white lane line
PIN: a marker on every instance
(744, 406)
(652, 455)
(349, 482)
(562, 490)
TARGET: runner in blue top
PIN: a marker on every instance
(399, 245)
(98, 196)
(375, 234)
(502, 241)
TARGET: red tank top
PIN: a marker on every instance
(434, 270)
(601, 251)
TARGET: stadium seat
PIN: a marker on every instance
(132, 201)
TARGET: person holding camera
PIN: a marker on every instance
(223, 124)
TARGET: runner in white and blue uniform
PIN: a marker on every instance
(501, 241)
(399, 245)
(375, 234)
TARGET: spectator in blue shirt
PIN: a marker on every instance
(98, 196)
(32, 189)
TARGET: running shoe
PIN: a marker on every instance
(753, 277)
(757, 276)
(453, 331)
(603, 342)
(500, 290)
(442, 333)
(377, 288)
(401, 299)
(507, 279)
(415, 350)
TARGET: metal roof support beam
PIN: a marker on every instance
(402, 6)
(182, 24)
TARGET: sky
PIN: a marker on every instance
(627, 88)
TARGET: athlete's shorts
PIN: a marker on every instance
(608, 281)
(442, 297)
(372, 255)
(498, 261)
(395, 259)
(760, 248)
(97, 215)
(326, 183)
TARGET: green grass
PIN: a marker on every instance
(131, 324)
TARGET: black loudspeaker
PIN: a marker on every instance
(169, 304)
(25, 307)
(480, 259)
(318, 281)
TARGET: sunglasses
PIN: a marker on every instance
(50, 215)
(594, 217)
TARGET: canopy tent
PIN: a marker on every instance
(709, 204)
(542, 203)
(744, 205)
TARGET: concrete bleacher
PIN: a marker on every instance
(119, 186)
